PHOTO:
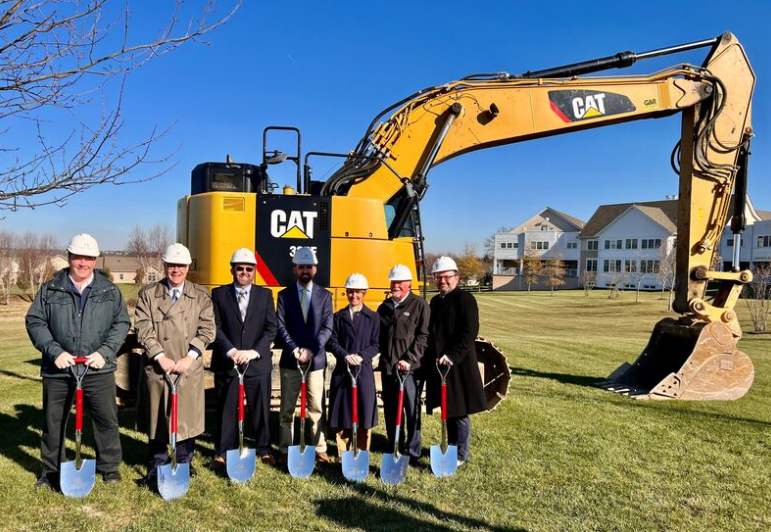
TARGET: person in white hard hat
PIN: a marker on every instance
(246, 327)
(79, 314)
(453, 329)
(404, 320)
(304, 313)
(174, 321)
(354, 343)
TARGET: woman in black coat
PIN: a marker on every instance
(354, 341)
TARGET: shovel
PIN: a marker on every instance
(444, 458)
(393, 467)
(356, 462)
(173, 478)
(77, 478)
(240, 462)
(301, 461)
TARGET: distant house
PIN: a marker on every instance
(549, 234)
(123, 268)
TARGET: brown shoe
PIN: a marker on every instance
(268, 459)
(282, 459)
(322, 458)
(216, 464)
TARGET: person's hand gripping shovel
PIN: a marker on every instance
(393, 467)
(173, 478)
(444, 458)
(301, 460)
(77, 478)
(355, 462)
(240, 463)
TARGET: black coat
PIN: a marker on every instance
(454, 326)
(403, 333)
(359, 337)
(256, 332)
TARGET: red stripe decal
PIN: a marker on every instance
(559, 113)
(264, 272)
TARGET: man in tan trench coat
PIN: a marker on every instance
(175, 322)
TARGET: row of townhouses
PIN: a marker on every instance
(627, 244)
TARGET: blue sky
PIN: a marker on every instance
(330, 67)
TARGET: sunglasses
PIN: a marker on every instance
(248, 269)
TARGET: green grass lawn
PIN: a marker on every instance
(557, 455)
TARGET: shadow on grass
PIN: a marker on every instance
(578, 380)
(361, 514)
(18, 432)
(20, 376)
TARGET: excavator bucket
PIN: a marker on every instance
(687, 360)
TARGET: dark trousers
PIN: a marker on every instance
(99, 402)
(257, 392)
(459, 434)
(158, 453)
(409, 437)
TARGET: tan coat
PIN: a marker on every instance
(171, 329)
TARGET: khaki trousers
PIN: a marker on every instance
(290, 391)
(344, 440)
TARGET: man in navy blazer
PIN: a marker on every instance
(304, 327)
(246, 326)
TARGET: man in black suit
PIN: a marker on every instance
(246, 326)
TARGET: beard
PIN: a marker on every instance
(305, 277)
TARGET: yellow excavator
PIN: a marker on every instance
(366, 217)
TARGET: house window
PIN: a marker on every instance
(631, 243)
(764, 241)
(649, 266)
(503, 245)
(572, 245)
(121, 276)
(514, 245)
(591, 265)
(592, 245)
(614, 244)
(545, 228)
(630, 266)
(650, 243)
(611, 266)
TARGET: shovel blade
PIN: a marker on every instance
(355, 466)
(393, 470)
(444, 464)
(301, 465)
(240, 466)
(76, 482)
(173, 483)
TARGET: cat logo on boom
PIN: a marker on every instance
(578, 105)
(295, 224)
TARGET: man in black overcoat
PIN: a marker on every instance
(246, 326)
(453, 328)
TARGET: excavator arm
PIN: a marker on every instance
(392, 161)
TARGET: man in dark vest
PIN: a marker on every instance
(246, 326)
(453, 328)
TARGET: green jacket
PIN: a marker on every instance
(54, 323)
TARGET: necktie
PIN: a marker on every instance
(304, 303)
(174, 296)
(242, 303)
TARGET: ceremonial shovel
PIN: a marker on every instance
(77, 478)
(173, 478)
(393, 467)
(356, 462)
(301, 461)
(240, 463)
(444, 458)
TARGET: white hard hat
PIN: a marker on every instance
(177, 254)
(243, 256)
(304, 256)
(83, 244)
(444, 264)
(356, 281)
(400, 272)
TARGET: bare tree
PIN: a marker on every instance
(667, 269)
(488, 245)
(758, 298)
(35, 266)
(554, 273)
(589, 281)
(532, 268)
(66, 62)
(158, 239)
(144, 245)
(8, 264)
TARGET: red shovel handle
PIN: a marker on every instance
(399, 408)
(79, 409)
(240, 401)
(444, 402)
(355, 401)
(81, 360)
(303, 394)
(174, 413)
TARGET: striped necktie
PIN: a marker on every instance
(242, 303)
(174, 296)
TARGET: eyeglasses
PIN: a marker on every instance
(438, 278)
(248, 269)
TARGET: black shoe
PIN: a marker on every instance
(113, 477)
(44, 481)
(150, 480)
(414, 461)
(193, 471)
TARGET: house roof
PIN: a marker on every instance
(662, 212)
(118, 263)
(572, 219)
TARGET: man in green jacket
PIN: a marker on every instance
(79, 313)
